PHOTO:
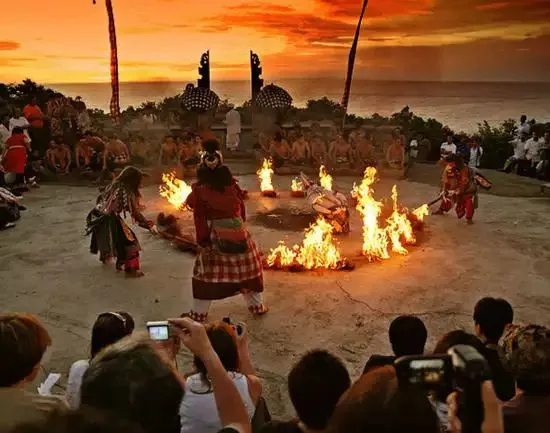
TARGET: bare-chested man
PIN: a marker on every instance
(168, 151)
(340, 151)
(318, 151)
(189, 151)
(279, 150)
(116, 155)
(140, 151)
(59, 157)
(395, 154)
(301, 151)
(365, 154)
(89, 152)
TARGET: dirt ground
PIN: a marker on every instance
(46, 269)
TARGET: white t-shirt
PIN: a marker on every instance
(198, 411)
(22, 123)
(4, 135)
(524, 128)
(233, 122)
(447, 149)
(76, 373)
(532, 149)
(519, 148)
(475, 157)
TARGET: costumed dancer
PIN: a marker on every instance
(111, 236)
(227, 262)
(459, 189)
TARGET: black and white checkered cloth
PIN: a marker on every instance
(199, 99)
(272, 96)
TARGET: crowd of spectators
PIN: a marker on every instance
(132, 383)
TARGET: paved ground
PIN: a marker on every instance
(45, 268)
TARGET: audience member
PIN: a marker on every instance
(476, 153)
(376, 404)
(19, 121)
(491, 317)
(4, 132)
(198, 408)
(525, 351)
(447, 148)
(532, 152)
(14, 159)
(408, 336)
(108, 329)
(23, 342)
(524, 127)
(84, 420)
(315, 385)
(35, 117)
(518, 157)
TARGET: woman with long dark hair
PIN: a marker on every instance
(228, 262)
(111, 236)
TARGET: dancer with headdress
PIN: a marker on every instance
(111, 236)
(459, 188)
(228, 262)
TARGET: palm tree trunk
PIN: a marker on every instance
(351, 62)
(115, 102)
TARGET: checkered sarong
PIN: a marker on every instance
(219, 275)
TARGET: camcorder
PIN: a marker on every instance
(463, 369)
(238, 328)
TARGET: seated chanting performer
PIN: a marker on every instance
(340, 151)
(189, 152)
(459, 188)
(318, 151)
(301, 152)
(365, 155)
(168, 151)
(111, 236)
(59, 157)
(228, 262)
(395, 153)
(115, 156)
(279, 150)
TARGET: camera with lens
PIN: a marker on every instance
(463, 369)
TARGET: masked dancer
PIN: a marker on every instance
(228, 262)
(459, 189)
(111, 236)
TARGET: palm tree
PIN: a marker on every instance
(115, 104)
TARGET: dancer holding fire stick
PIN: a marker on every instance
(228, 262)
(111, 236)
(459, 188)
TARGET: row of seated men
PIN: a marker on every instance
(94, 153)
(355, 150)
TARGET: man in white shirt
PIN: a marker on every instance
(532, 151)
(18, 120)
(233, 122)
(476, 152)
(524, 127)
(518, 144)
(447, 148)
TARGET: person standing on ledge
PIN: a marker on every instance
(233, 123)
(228, 262)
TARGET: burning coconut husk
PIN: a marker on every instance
(174, 190)
(325, 179)
(169, 229)
(383, 233)
(297, 188)
(317, 251)
(265, 173)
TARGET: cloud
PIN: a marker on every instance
(9, 45)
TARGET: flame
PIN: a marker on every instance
(317, 250)
(325, 178)
(398, 230)
(297, 185)
(174, 190)
(264, 174)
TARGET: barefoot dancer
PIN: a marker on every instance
(228, 262)
(111, 236)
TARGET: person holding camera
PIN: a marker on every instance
(228, 261)
(198, 411)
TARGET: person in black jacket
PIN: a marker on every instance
(491, 316)
(408, 336)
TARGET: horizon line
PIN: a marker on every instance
(299, 78)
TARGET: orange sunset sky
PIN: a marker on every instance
(66, 41)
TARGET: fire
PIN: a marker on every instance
(397, 232)
(264, 174)
(325, 178)
(297, 185)
(174, 190)
(317, 250)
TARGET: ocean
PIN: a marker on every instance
(460, 105)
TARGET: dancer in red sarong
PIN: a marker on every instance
(228, 262)
(459, 189)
